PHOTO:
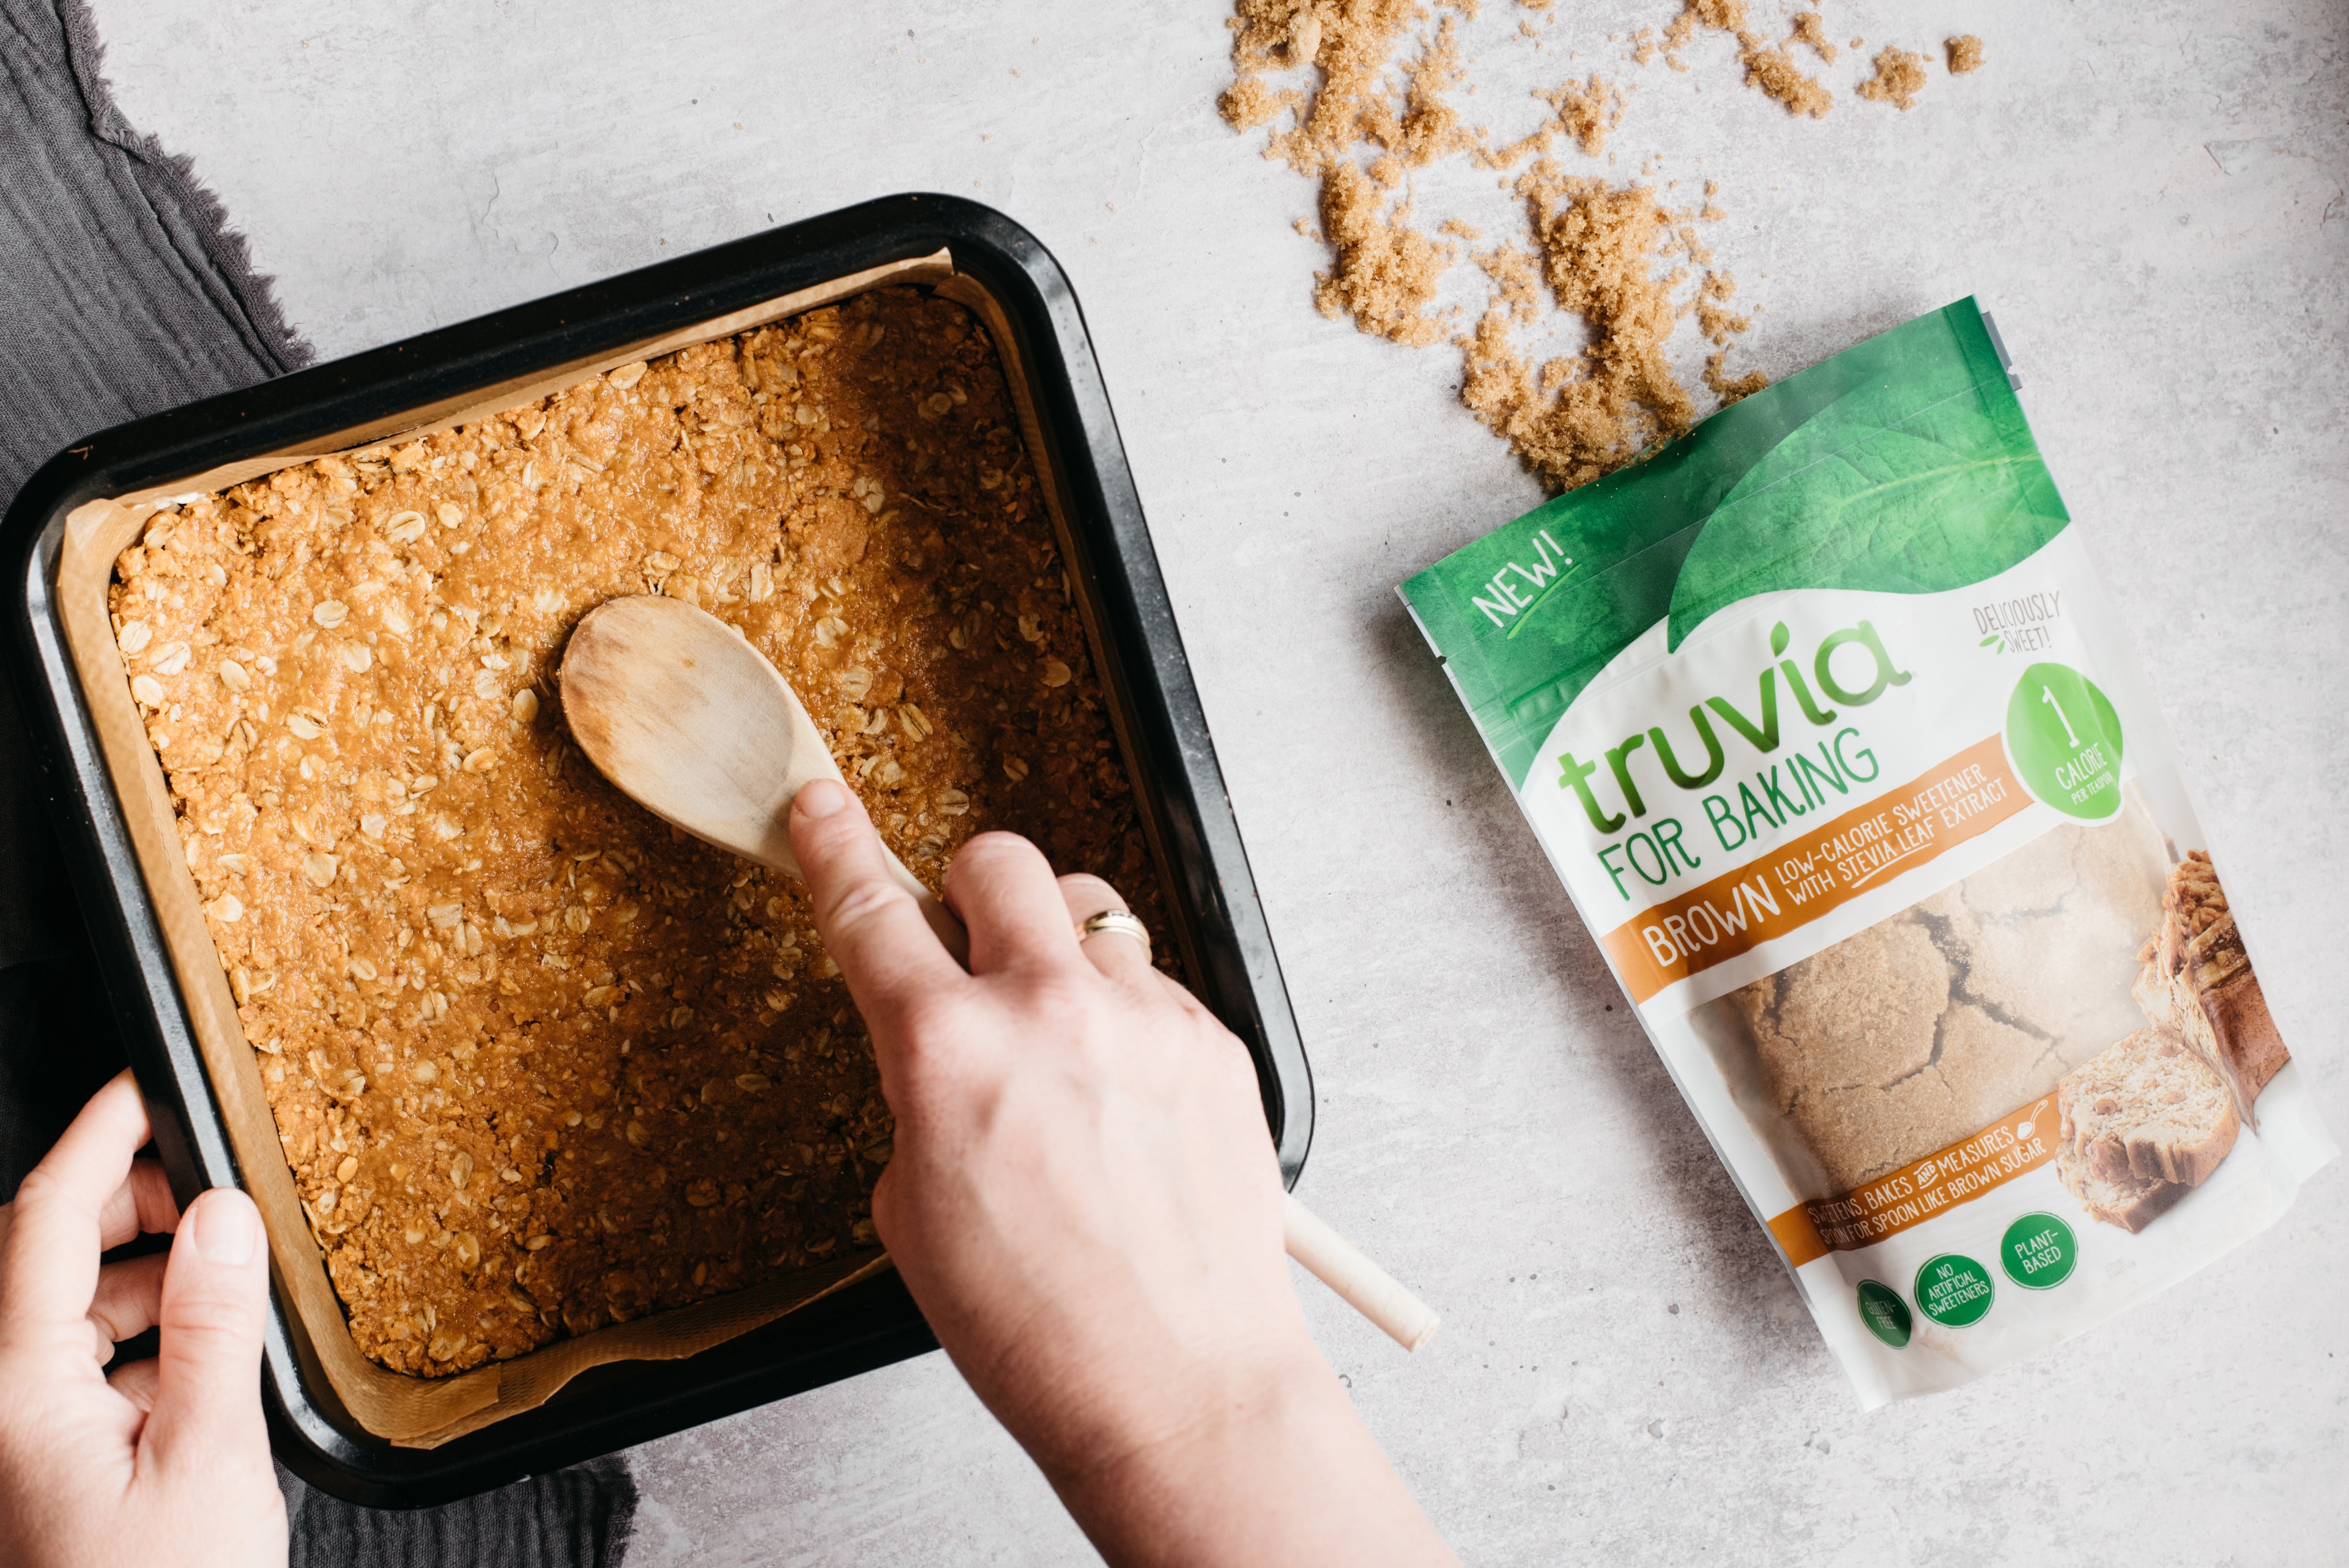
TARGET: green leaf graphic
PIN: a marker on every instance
(1951, 495)
(1902, 465)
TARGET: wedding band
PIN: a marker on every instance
(1117, 921)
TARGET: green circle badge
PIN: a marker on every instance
(1954, 1291)
(2038, 1252)
(1885, 1315)
(2066, 741)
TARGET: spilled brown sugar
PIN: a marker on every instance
(1614, 256)
(1587, 112)
(1965, 54)
(1386, 271)
(1900, 78)
(1811, 30)
(1771, 69)
(1776, 73)
(1572, 420)
(1727, 387)
(1351, 45)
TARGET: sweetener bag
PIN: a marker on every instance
(1824, 723)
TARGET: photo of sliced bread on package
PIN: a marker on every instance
(2147, 1109)
(1821, 716)
(2197, 981)
(2131, 1202)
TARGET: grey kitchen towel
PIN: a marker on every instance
(122, 293)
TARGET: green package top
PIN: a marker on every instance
(1844, 476)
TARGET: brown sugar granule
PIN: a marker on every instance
(1586, 112)
(1776, 73)
(1900, 78)
(1248, 103)
(1727, 387)
(1714, 316)
(1603, 254)
(1516, 280)
(1574, 421)
(1351, 44)
(538, 1063)
(1386, 271)
(1724, 15)
(1427, 127)
(1677, 34)
(1965, 54)
(1771, 69)
(1810, 28)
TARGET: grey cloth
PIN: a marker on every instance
(104, 233)
(122, 293)
(575, 1517)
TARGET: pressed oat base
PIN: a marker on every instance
(1614, 256)
(538, 1063)
(1821, 718)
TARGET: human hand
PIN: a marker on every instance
(161, 1463)
(1084, 1199)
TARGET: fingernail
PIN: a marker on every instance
(820, 798)
(227, 1227)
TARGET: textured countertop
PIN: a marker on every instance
(2150, 198)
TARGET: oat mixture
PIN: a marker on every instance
(538, 1062)
(1618, 258)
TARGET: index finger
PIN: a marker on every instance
(48, 1261)
(870, 925)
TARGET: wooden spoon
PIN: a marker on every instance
(691, 722)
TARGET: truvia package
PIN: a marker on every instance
(1823, 721)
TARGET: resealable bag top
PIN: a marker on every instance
(1823, 721)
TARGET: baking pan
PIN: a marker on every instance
(958, 248)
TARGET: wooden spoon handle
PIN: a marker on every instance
(1359, 1283)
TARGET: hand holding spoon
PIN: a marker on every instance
(691, 722)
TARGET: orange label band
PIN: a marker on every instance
(1818, 871)
(2019, 1143)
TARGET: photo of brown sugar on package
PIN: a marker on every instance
(2080, 966)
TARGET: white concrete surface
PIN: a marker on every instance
(2150, 196)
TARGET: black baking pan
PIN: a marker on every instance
(353, 401)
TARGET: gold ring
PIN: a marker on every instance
(1117, 922)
